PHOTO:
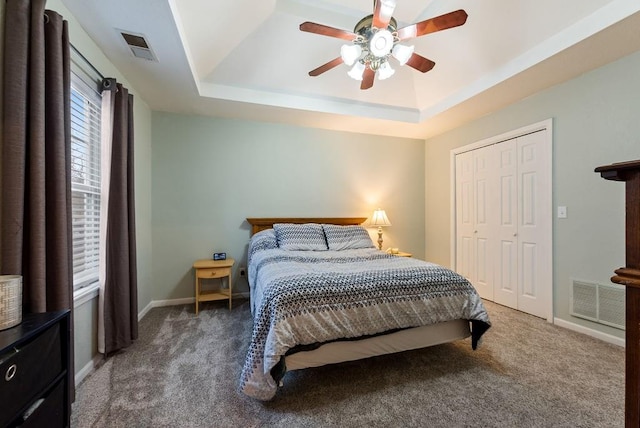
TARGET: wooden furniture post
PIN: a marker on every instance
(629, 276)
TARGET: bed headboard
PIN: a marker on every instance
(258, 224)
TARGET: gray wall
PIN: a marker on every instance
(595, 122)
(209, 174)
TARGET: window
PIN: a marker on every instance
(85, 181)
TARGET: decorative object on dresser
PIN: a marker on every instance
(211, 269)
(380, 219)
(10, 301)
(34, 370)
(629, 276)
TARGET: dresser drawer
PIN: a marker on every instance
(213, 273)
(49, 412)
(27, 370)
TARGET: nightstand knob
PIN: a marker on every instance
(11, 372)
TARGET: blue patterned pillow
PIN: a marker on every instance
(263, 240)
(347, 237)
(307, 237)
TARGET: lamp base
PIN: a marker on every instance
(379, 238)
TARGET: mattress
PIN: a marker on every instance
(403, 340)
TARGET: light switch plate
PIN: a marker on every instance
(562, 212)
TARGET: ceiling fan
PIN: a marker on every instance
(376, 37)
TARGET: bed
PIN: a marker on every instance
(322, 293)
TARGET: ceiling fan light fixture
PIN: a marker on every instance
(376, 37)
(385, 71)
(350, 53)
(381, 43)
(357, 71)
(402, 53)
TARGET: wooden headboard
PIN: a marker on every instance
(258, 224)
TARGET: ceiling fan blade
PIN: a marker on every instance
(324, 30)
(367, 78)
(382, 13)
(439, 23)
(420, 63)
(326, 67)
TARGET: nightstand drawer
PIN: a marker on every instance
(213, 273)
(26, 370)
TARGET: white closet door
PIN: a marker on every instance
(483, 234)
(506, 267)
(534, 217)
(504, 218)
(464, 216)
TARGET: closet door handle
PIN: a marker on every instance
(515, 234)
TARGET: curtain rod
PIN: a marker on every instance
(86, 61)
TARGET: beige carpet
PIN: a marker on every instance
(184, 371)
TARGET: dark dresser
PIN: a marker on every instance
(34, 372)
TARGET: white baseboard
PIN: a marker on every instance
(176, 302)
(87, 369)
(590, 332)
(161, 303)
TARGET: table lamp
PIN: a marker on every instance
(380, 219)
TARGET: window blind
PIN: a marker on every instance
(85, 181)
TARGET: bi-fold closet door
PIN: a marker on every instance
(503, 221)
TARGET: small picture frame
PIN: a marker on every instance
(219, 256)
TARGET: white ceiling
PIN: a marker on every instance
(248, 59)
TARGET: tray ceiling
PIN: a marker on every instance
(247, 58)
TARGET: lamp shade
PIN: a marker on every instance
(402, 53)
(385, 71)
(350, 53)
(387, 7)
(357, 71)
(380, 218)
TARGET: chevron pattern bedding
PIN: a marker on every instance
(306, 297)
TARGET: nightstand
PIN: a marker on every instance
(403, 254)
(210, 269)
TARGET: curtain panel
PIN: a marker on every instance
(118, 313)
(35, 225)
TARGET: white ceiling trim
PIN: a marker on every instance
(177, 19)
(581, 30)
(307, 103)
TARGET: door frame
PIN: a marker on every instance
(539, 126)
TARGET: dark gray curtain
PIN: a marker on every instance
(120, 289)
(35, 231)
(36, 153)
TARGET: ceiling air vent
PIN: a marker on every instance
(139, 46)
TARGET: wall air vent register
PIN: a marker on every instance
(604, 304)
